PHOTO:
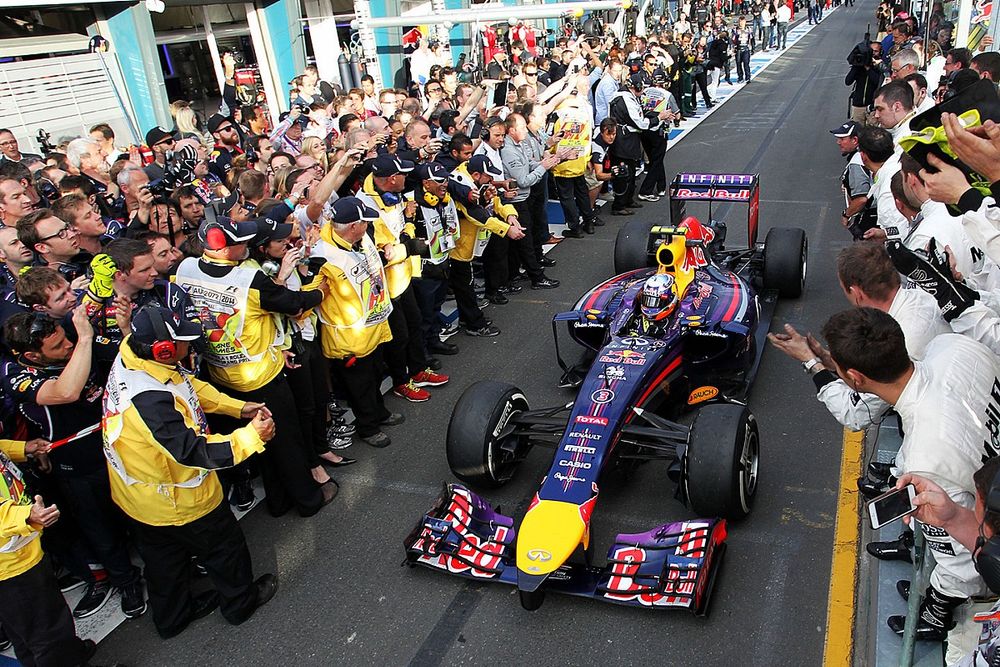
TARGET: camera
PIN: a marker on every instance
(238, 58)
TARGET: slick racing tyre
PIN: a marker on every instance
(478, 451)
(785, 250)
(722, 460)
(630, 247)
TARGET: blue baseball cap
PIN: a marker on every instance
(351, 209)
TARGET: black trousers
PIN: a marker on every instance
(287, 478)
(431, 291)
(537, 201)
(361, 378)
(217, 541)
(699, 81)
(575, 200)
(100, 521)
(522, 252)
(405, 354)
(310, 383)
(624, 185)
(495, 269)
(37, 621)
(466, 301)
(655, 145)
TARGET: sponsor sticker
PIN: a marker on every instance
(702, 394)
(590, 419)
(602, 396)
(627, 357)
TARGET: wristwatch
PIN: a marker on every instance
(807, 366)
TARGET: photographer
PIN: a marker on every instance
(866, 77)
(287, 134)
(161, 143)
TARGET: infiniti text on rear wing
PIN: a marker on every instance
(731, 188)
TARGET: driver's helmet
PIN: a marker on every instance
(659, 297)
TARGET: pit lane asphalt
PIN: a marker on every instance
(345, 600)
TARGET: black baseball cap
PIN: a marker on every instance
(351, 209)
(226, 232)
(156, 135)
(480, 164)
(269, 229)
(848, 129)
(432, 171)
(388, 164)
(146, 329)
(218, 119)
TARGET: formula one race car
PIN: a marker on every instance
(674, 343)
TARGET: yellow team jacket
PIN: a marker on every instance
(14, 523)
(152, 463)
(259, 329)
(398, 272)
(468, 227)
(577, 119)
(342, 307)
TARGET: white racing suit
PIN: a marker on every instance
(950, 410)
(918, 316)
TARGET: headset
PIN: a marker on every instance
(490, 123)
(163, 347)
(390, 198)
(986, 555)
(215, 237)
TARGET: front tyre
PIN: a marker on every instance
(479, 451)
(722, 461)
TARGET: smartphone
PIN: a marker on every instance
(890, 506)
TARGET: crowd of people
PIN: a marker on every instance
(920, 343)
(216, 304)
(224, 301)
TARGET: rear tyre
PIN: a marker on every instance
(630, 247)
(785, 250)
(478, 452)
(722, 461)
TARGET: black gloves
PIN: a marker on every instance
(934, 277)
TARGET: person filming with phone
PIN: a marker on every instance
(946, 403)
(977, 529)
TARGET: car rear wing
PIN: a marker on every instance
(729, 188)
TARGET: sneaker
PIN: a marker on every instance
(337, 443)
(428, 378)
(411, 392)
(94, 598)
(242, 497)
(69, 582)
(5, 643)
(510, 288)
(394, 419)
(379, 439)
(572, 234)
(340, 430)
(661, 193)
(547, 262)
(449, 331)
(489, 331)
(133, 599)
(649, 198)
(497, 299)
(545, 283)
(484, 302)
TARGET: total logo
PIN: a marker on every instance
(590, 419)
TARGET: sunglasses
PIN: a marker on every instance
(168, 141)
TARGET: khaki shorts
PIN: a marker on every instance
(592, 181)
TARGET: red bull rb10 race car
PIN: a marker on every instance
(671, 346)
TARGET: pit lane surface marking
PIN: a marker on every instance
(843, 571)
